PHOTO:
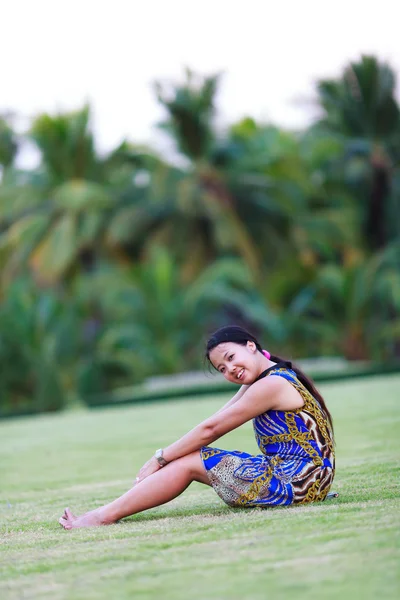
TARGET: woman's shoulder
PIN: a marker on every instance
(278, 383)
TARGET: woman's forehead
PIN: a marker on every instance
(220, 350)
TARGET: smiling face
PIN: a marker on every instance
(238, 364)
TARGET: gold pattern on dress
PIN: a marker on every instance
(255, 487)
(210, 452)
(312, 407)
(300, 439)
(312, 493)
(323, 493)
(285, 437)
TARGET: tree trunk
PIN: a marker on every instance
(376, 231)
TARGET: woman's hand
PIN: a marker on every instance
(148, 469)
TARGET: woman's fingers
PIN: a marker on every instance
(145, 471)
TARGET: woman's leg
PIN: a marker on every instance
(161, 487)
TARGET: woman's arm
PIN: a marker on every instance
(234, 399)
(272, 393)
(253, 401)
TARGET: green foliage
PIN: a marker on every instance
(354, 310)
(190, 108)
(155, 322)
(32, 328)
(362, 110)
(57, 218)
(362, 104)
(66, 144)
(294, 235)
(8, 143)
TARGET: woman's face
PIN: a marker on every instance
(238, 364)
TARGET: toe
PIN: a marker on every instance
(69, 514)
(62, 521)
(65, 523)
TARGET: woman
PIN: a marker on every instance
(293, 429)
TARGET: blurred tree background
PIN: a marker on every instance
(115, 268)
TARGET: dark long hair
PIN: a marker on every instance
(238, 335)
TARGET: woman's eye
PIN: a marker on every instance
(222, 370)
(231, 356)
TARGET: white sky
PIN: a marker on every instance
(57, 54)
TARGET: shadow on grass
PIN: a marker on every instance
(179, 513)
(219, 511)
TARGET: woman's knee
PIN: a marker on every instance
(194, 465)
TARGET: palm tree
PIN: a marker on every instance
(57, 217)
(281, 188)
(205, 205)
(291, 199)
(361, 108)
(243, 192)
(8, 143)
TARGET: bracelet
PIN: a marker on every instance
(160, 458)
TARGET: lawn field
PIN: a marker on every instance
(196, 547)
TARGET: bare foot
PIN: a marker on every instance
(89, 519)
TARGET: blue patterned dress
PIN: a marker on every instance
(297, 463)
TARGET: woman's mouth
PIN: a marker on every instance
(240, 374)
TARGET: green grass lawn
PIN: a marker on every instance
(196, 547)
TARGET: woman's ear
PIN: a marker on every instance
(251, 346)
